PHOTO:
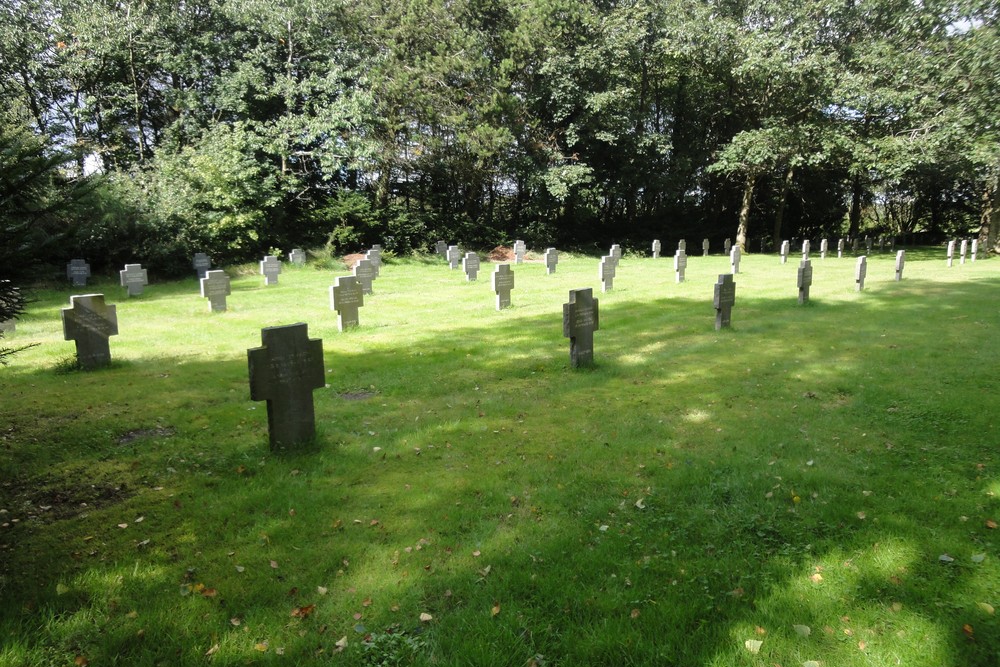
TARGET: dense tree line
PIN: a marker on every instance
(150, 129)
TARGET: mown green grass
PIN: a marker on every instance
(808, 467)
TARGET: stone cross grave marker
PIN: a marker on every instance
(725, 299)
(805, 280)
(284, 371)
(656, 248)
(734, 259)
(580, 321)
(823, 248)
(868, 245)
(606, 272)
(519, 251)
(840, 248)
(297, 257)
(470, 264)
(806, 247)
(975, 249)
(551, 259)
(89, 322)
(365, 273)
(270, 267)
(784, 251)
(375, 257)
(133, 279)
(963, 251)
(503, 283)
(727, 246)
(900, 261)
(454, 256)
(682, 245)
(77, 272)
(704, 248)
(616, 253)
(951, 253)
(346, 296)
(8, 326)
(215, 287)
(680, 264)
(202, 263)
(441, 248)
(881, 244)
(860, 271)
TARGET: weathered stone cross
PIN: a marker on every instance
(89, 322)
(580, 321)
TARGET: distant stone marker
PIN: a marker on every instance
(784, 251)
(682, 245)
(840, 248)
(734, 259)
(8, 326)
(823, 246)
(975, 249)
(606, 272)
(89, 322)
(854, 245)
(375, 257)
(503, 283)
(519, 251)
(580, 321)
(951, 253)
(215, 287)
(704, 248)
(680, 264)
(963, 251)
(470, 264)
(860, 271)
(365, 273)
(551, 260)
(725, 299)
(297, 257)
(270, 267)
(346, 296)
(454, 256)
(805, 249)
(284, 371)
(727, 246)
(868, 245)
(656, 249)
(202, 263)
(805, 280)
(133, 279)
(441, 248)
(900, 261)
(616, 253)
(77, 272)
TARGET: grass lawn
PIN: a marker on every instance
(816, 486)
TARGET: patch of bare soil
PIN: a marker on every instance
(49, 499)
(138, 434)
(502, 254)
(352, 259)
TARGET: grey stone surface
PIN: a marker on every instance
(951, 253)
(365, 273)
(725, 299)
(616, 253)
(680, 264)
(656, 248)
(704, 248)
(735, 255)
(806, 247)
(963, 251)
(284, 371)
(454, 256)
(606, 272)
(270, 268)
(727, 246)
(202, 263)
(297, 256)
(682, 245)
(520, 250)
(375, 257)
(784, 251)
(89, 322)
(823, 248)
(900, 262)
(503, 283)
(551, 260)
(975, 249)
(840, 248)
(346, 296)
(854, 245)
(805, 280)
(133, 278)
(470, 265)
(215, 287)
(77, 272)
(8, 326)
(441, 248)
(860, 272)
(580, 321)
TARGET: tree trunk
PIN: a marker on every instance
(989, 217)
(779, 215)
(741, 230)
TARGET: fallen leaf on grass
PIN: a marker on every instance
(991, 524)
(753, 645)
(988, 608)
(81, 661)
(367, 602)
(810, 663)
(639, 504)
(969, 632)
(209, 593)
(274, 564)
(322, 590)
(978, 558)
(802, 630)
(426, 618)
(213, 650)
(634, 613)
(260, 646)
(236, 621)
(303, 612)
(341, 644)
(495, 609)
(945, 558)
(816, 578)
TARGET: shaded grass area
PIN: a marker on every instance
(830, 466)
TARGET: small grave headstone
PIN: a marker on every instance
(202, 264)
(680, 264)
(580, 320)
(375, 257)
(284, 371)
(656, 249)
(805, 279)
(900, 261)
(963, 251)
(551, 259)
(860, 271)
(133, 279)
(346, 296)
(454, 256)
(297, 257)
(270, 267)
(77, 271)
(805, 249)
(704, 248)
(854, 245)
(840, 248)
(503, 283)
(975, 249)
(734, 259)
(725, 299)
(215, 287)
(951, 253)
(727, 246)
(520, 250)
(881, 244)
(784, 251)
(365, 274)
(616, 253)
(89, 322)
(868, 245)
(441, 248)
(823, 248)
(682, 245)
(470, 264)
(606, 272)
